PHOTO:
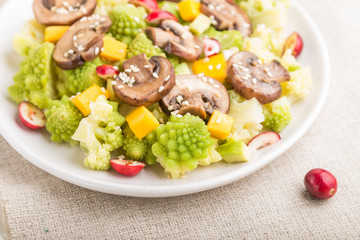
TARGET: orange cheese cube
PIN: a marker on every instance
(189, 10)
(82, 101)
(214, 67)
(220, 125)
(113, 50)
(142, 122)
(54, 33)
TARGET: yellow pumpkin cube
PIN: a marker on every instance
(113, 50)
(214, 66)
(142, 122)
(82, 101)
(54, 33)
(220, 125)
(189, 10)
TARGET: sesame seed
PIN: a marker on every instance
(197, 46)
(216, 86)
(212, 17)
(130, 85)
(246, 25)
(210, 67)
(66, 55)
(211, 81)
(53, 9)
(115, 68)
(78, 93)
(161, 88)
(137, 19)
(115, 76)
(201, 74)
(179, 115)
(113, 82)
(132, 80)
(184, 35)
(218, 66)
(65, 3)
(155, 75)
(80, 48)
(235, 65)
(75, 38)
(80, 35)
(175, 112)
(211, 7)
(206, 60)
(254, 80)
(246, 76)
(83, 10)
(97, 50)
(218, 120)
(120, 86)
(266, 69)
(76, 44)
(117, 127)
(70, 51)
(185, 103)
(204, 79)
(269, 74)
(103, 89)
(102, 19)
(72, 97)
(128, 70)
(146, 66)
(260, 61)
(179, 99)
(214, 22)
(102, 49)
(170, 108)
(71, 9)
(167, 78)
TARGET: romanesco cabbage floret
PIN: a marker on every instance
(127, 20)
(277, 114)
(71, 82)
(62, 120)
(247, 116)
(213, 156)
(100, 133)
(180, 144)
(139, 149)
(141, 44)
(299, 85)
(31, 34)
(227, 39)
(34, 81)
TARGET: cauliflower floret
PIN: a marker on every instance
(141, 44)
(247, 114)
(127, 22)
(277, 114)
(62, 120)
(100, 133)
(34, 81)
(299, 85)
(71, 82)
(180, 144)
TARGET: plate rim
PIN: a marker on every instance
(199, 186)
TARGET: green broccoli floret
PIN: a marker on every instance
(71, 82)
(227, 39)
(34, 81)
(141, 44)
(277, 114)
(139, 149)
(62, 119)
(127, 20)
(181, 143)
(234, 151)
(100, 133)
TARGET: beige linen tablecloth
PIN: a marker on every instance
(269, 204)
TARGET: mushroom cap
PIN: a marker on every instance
(144, 82)
(82, 42)
(59, 12)
(250, 77)
(175, 39)
(197, 95)
(227, 16)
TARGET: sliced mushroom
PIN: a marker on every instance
(226, 15)
(144, 82)
(59, 12)
(175, 39)
(82, 42)
(197, 95)
(250, 77)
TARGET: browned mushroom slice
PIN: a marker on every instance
(226, 15)
(251, 78)
(197, 95)
(82, 42)
(144, 82)
(59, 12)
(175, 39)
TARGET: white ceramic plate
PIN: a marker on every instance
(65, 162)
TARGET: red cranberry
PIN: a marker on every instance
(320, 183)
